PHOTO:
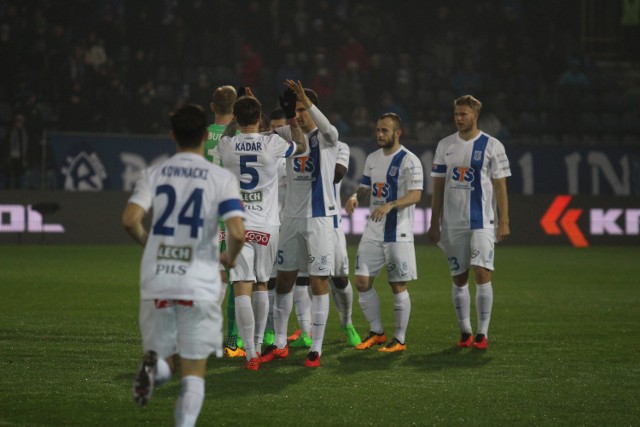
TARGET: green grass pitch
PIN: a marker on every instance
(564, 349)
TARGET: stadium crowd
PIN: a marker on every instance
(120, 66)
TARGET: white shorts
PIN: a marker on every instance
(192, 329)
(399, 257)
(465, 248)
(341, 261)
(307, 240)
(257, 257)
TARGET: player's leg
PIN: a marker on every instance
(288, 259)
(232, 346)
(483, 246)
(320, 247)
(341, 289)
(269, 331)
(159, 344)
(302, 307)
(192, 390)
(401, 267)
(195, 344)
(265, 256)
(369, 262)
(456, 247)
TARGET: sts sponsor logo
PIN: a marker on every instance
(463, 174)
(304, 164)
(83, 170)
(380, 190)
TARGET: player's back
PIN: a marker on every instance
(253, 158)
(181, 255)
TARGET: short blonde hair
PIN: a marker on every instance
(223, 99)
(469, 101)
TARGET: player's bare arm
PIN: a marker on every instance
(340, 172)
(132, 223)
(298, 137)
(502, 201)
(234, 235)
(437, 201)
(299, 90)
(352, 202)
(411, 198)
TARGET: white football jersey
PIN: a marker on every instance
(187, 194)
(310, 176)
(282, 186)
(468, 168)
(253, 159)
(390, 178)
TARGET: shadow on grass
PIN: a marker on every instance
(449, 358)
(227, 378)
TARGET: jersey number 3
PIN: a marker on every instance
(190, 213)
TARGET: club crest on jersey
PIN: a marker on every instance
(313, 141)
(380, 189)
(393, 170)
(477, 155)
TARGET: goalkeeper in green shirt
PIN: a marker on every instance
(221, 105)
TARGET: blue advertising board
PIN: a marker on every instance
(89, 162)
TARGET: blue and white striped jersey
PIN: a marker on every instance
(390, 177)
(468, 168)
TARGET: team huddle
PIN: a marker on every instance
(258, 205)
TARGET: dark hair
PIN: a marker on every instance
(247, 110)
(189, 125)
(277, 114)
(397, 121)
(312, 95)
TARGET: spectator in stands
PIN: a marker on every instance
(16, 152)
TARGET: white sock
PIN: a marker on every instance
(223, 292)
(190, 401)
(370, 304)
(401, 312)
(302, 304)
(320, 309)
(344, 302)
(484, 303)
(246, 323)
(272, 298)
(163, 372)
(281, 311)
(260, 302)
(462, 304)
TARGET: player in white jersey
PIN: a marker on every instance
(469, 182)
(276, 119)
(180, 317)
(306, 234)
(253, 158)
(393, 178)
(341, 289)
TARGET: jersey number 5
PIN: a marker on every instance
(190, 214)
